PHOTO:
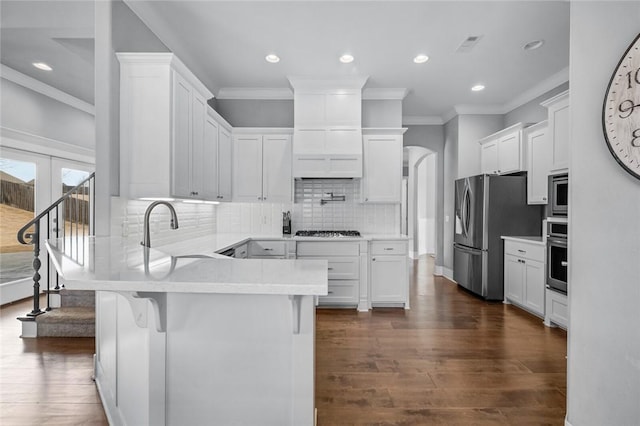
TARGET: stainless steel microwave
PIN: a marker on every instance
(558, 195)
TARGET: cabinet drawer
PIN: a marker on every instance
(389, 247)
(341, 268)
(327, 248)
(267, 248)
(341, 292)
(525, 250)
(242, 252)
(557, 308)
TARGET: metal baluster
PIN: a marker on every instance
(48, 267)
(57, 236)
(76, 220)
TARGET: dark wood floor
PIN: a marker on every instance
(452, 359)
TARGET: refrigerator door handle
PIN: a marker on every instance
(463, 210)
(467, 250)
(466, 219)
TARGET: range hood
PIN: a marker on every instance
(327, 137)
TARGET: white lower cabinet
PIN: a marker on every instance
(524, 275)
(389, 274)
(268, 249)
(557, 312)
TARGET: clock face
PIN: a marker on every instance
(621, 111)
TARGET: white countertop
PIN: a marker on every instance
(109, 263)
(527, 239)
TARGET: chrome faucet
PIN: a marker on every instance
(174, 221)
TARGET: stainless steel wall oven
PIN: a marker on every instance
(557, 264)
(558, 195)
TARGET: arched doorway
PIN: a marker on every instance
(420, 171)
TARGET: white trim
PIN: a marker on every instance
(449, 115)
(16, 290)
(23, 141)
(566, 422)
(220, 119)
(480, 109)
(306, 83)
(438, 270)
(448, 274)
(426, 120)
(384, 94)
(253, 93)
(263, 130)
(559, 97)
(539, 89)
(44, 89)
(384, 130)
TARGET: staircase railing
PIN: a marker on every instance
(72, 217)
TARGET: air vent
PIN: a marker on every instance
(468, 44)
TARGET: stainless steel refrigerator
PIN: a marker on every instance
(487, 207)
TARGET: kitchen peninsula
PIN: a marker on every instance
(184, 337)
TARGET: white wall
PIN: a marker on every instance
(472, 128)
(604, 281)
(37, 114)
(450, 175)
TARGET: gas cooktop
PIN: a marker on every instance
(327, 234)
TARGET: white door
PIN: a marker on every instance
(382, 169)
(276, 163)
(509, 153)
(181, 151)
(26, 189)
(224, 164)
(210, 158)
(247, 168)
(388, 279)
(513, 278)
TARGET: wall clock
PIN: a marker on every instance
(621, 111)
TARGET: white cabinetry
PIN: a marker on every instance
(538, 162)
(267, 249)
(558, 112)
(524, 275)
(262, 167)
(327, 140)
(217, 151)
(162, 128)
(557, 312)
(382, 174)
(503, 152)
(343, 260)
(389, 273)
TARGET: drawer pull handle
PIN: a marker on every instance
(330, 269)
(388, 248)
(330, 292)
(522, 251)
(268, 249)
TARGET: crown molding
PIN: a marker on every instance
(44, 89)
(253, 93)
(538, 90)
(263, 130)
(479, 109)
(384, 130)
(24, 141)
(425, 120)
(339, 83)
(384, 94)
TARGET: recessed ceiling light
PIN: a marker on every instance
(272, 58)
(477, 87)
(42, 66)
(346, 59)
(532, 45)
(421, 59)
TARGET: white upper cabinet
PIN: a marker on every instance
(163, 114)
(503, 152)
(558, 113)
(262, 167)
(382, 175)
(538, 162)
(217, 152)
(327, 140)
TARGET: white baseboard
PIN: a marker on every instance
(412, 254)
(16, 290)
(448, 274)
(566, 422)
(438, 270)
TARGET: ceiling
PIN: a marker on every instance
(225, 43)
(59, 33)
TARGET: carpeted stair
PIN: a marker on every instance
(76, 316)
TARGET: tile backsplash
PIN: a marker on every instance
(351, 214)
(194, 220)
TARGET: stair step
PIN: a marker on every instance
(84, 298)
(76, 321)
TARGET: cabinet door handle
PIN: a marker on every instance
(544, 198)
(330, 292)
(373, 259)
(564, 263)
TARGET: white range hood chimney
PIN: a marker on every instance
(327, 137)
